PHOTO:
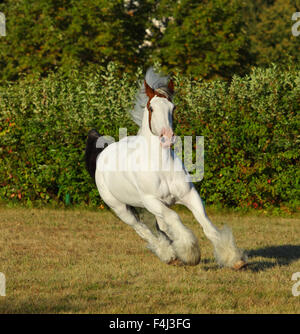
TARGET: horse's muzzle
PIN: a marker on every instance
(167, 138)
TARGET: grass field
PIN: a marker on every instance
(72, 261)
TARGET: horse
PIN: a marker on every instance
(156, 189)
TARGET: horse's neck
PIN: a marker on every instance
(154, 147)
(144, 129)
(147, 134)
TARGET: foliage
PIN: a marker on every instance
(269, 26)
(250, 127)
(49, 34)
(206, 39)
(251, 131)
(44, 123)
(203, 38)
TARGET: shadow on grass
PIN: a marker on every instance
(49, 305)
(281, 256)
(40, 307)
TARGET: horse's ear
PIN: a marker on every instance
(149, 90)
(171, 86)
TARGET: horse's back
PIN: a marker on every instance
(124, 170)
(114, 178)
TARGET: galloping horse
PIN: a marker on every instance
(156, 189)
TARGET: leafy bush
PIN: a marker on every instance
(250, 128)
(44, 124)
(46, 35)
(251, 131)
(206, 39)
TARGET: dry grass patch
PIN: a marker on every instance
(64, 261)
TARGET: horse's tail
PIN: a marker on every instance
(92, 152)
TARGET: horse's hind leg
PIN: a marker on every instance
(163, 228)
(160, 244)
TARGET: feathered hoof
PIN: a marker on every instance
(226, 252)
(187, 250)
(240, 265)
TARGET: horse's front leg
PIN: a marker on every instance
(226, 252)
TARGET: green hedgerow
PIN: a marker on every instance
(250, 128)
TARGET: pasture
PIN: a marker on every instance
(80, 261)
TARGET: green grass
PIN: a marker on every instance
(80, 261)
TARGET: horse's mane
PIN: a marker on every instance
(157, 82)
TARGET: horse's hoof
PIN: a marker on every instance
(176, 262)
(240, 265)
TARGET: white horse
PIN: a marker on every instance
(156, 188)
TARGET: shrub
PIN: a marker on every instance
(250, 128)
(44, 124)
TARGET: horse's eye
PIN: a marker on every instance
(151, 109)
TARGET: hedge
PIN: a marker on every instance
(250, 127)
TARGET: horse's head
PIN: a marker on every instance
(160, 110)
